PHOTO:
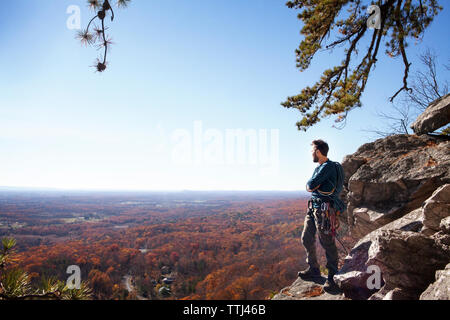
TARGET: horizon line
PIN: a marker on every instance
(18, 188)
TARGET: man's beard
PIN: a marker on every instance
(315, 158)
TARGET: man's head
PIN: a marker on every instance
(319, 150)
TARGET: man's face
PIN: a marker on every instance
(314, 154)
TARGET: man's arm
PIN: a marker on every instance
(321, 176)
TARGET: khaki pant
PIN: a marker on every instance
(326, 240)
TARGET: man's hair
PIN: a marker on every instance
(322, 146)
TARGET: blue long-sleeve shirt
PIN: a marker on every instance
(324, 179)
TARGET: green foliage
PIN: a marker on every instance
(340, 88)
(15, 284)
(8, 243)
(445, 132)
(324, 270)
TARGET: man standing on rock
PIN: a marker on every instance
(325, 186)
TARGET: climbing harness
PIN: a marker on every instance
(327, 218)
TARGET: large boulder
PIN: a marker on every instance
(390, 177)
(353, 276)
(445, 225)
(407, 261)
(435, 116)
(403, 251)
(440, 289)
(436, 208)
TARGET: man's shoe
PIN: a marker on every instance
(309, 273)
(331, 286)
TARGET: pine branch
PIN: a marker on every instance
(88, 39)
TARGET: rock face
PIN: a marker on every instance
(434, 117)
(353, 276)
(445, 225)
(390, 177)
(404, 253)
(435, 209)
(439, 290)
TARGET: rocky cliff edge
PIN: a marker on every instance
(397, 190)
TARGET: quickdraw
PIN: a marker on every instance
(327, 217)
(331, 219)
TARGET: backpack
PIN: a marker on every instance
(340, 176)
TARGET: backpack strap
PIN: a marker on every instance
(324, 193)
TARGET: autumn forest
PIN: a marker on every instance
(159, 245)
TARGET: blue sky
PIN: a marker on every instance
(175, 65)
